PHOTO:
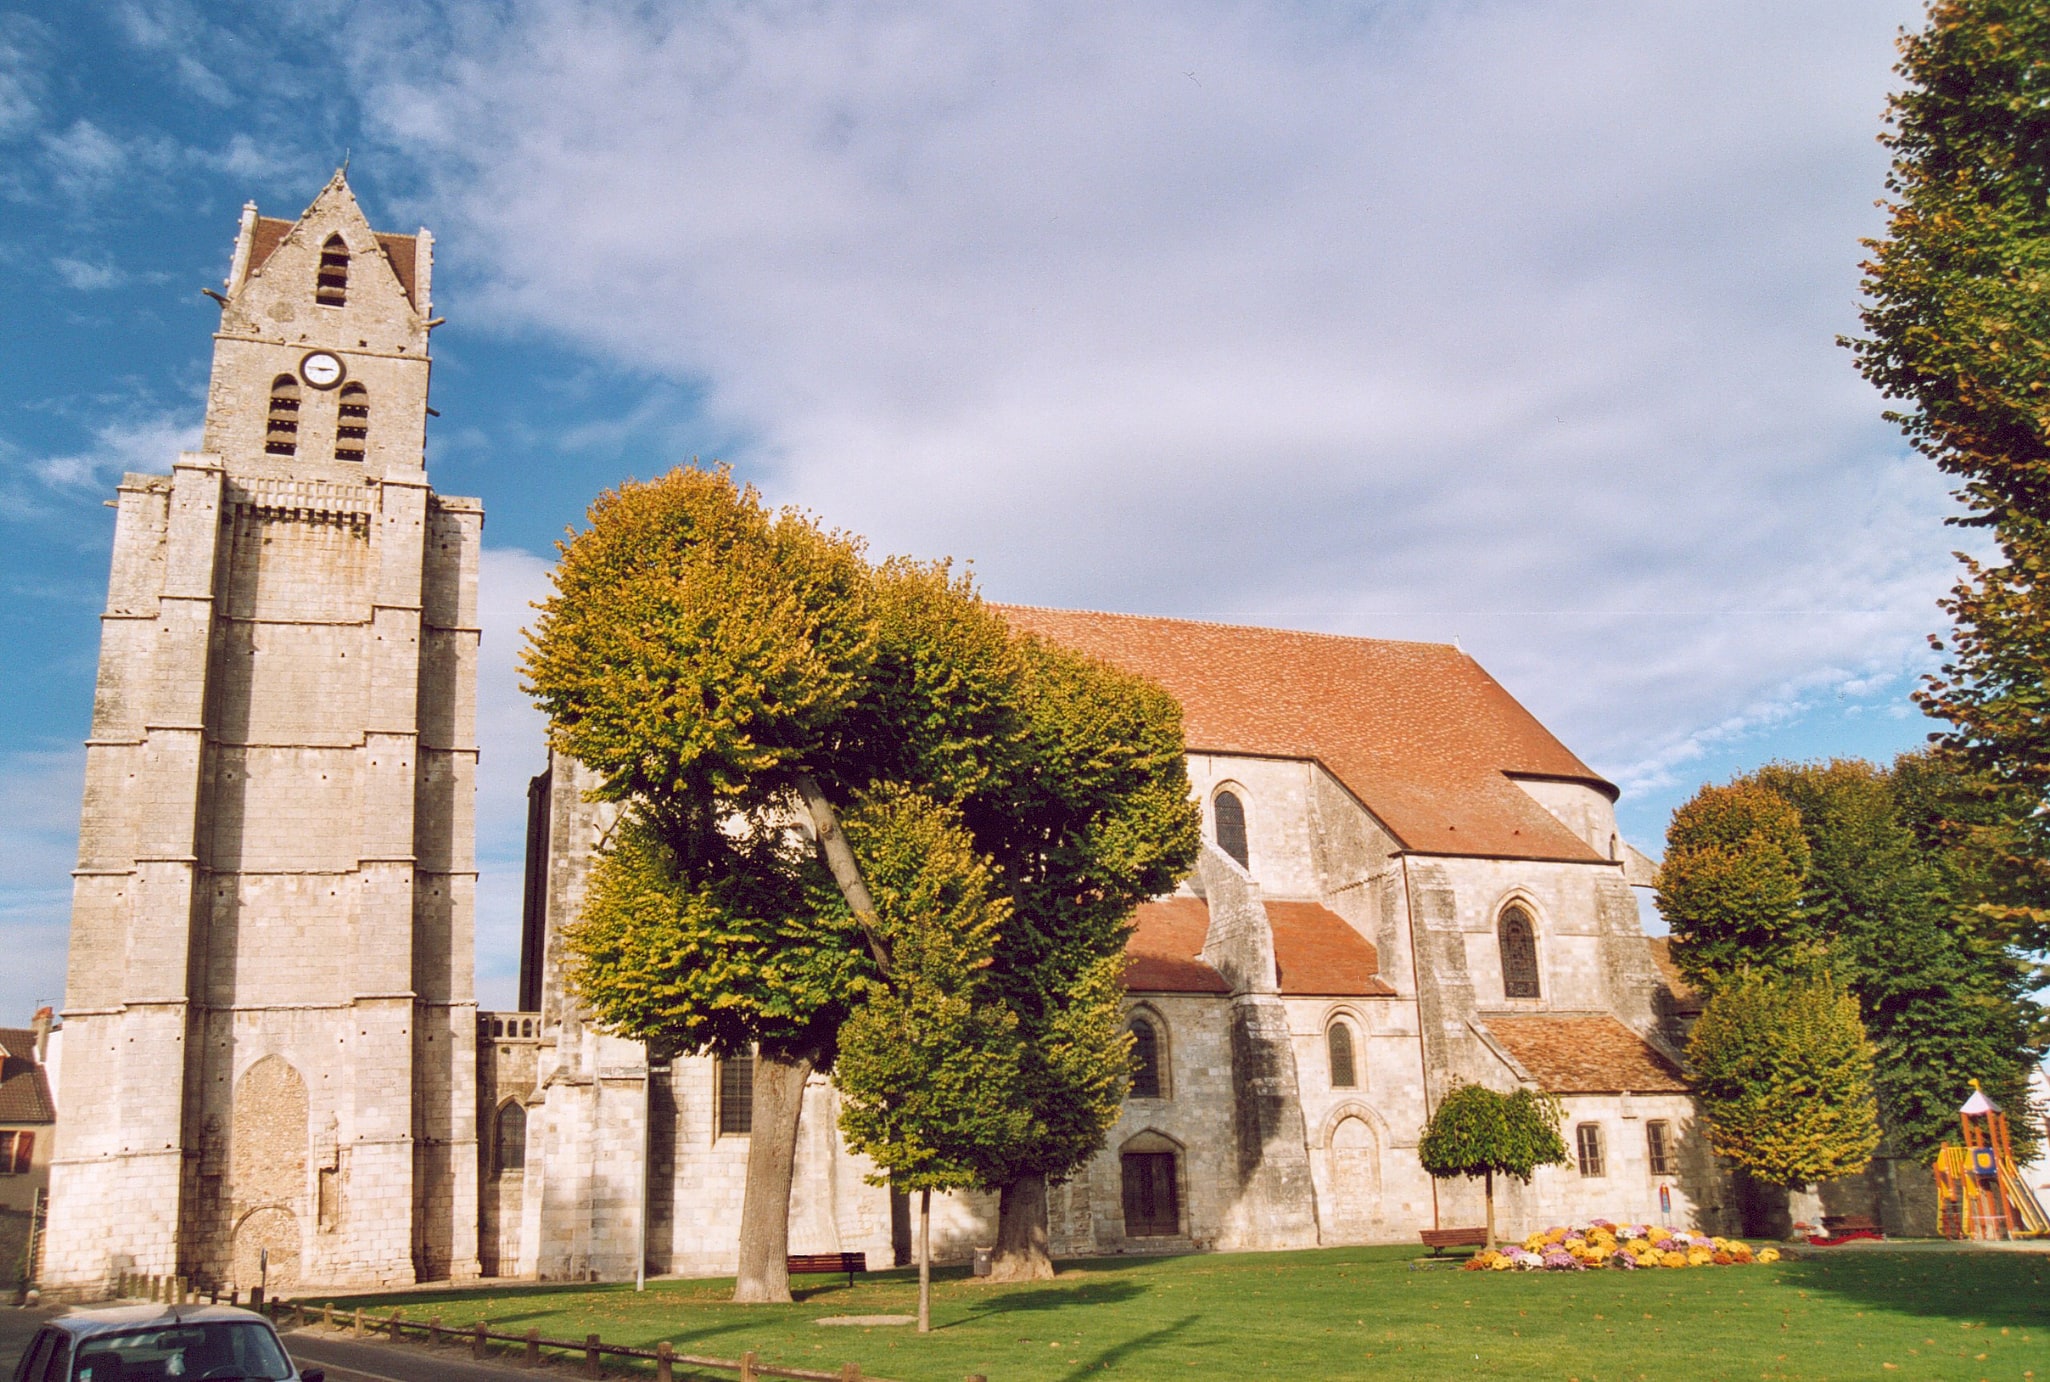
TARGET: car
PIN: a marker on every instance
(160, 1343)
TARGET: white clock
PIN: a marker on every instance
(321, 370)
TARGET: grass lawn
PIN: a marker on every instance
(1346, 1312)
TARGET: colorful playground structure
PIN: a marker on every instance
(1979, 1193)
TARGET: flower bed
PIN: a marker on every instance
(1627, 1247)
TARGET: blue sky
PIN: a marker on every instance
(1506, 322)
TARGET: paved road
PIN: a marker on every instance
(351, 1360)
(17, 1327)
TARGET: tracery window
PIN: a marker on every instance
(736, 1096)
(509, 1137)
(1146, 1081)
(1518, 941)
(352, 429)
(1587, 1140)
(281, 425)
(1658, 1146)
(1231, 826)
(1338, 1046)
(331, 287)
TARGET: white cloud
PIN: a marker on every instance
(83, 158)
(21, 79)
(88, 278)
(135, 444)
(1507, 320)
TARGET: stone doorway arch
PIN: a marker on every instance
(1354, 1166)
(273, 1230)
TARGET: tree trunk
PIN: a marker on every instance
(925, 1261)
(764, 1277)
(1021, 1253)
(1490, 1183)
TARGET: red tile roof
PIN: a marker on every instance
(271, 232)
(1425, 738)
(1162, 954)
(24, 1088)
(1686, 1000)
(1586, 1055)
(1316, 951)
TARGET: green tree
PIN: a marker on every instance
(1942, 996)
(1095, 817)
(929, 1061)
(725, 669)
(1784, 1074)
(1730, 886)
(1479, 1132)
(1958, 323)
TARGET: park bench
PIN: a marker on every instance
(1846, 1228)
(1439, 1239)
(813, 1263)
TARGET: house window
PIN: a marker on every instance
(331, 288)
(736, 1096)
(1658, 1145)
(1587, 1140)
(1231, 826)
(1146, 1082)
(1152, 1209)
(1519, 953)
(509, 1137)
(17, 1151)
(1338, 1046)
(281, 425)
(352, 430)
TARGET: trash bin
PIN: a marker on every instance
(983, 1258)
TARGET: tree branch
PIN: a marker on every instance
(840, 862)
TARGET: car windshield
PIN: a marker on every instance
(217, 1349)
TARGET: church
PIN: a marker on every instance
(275, 1054)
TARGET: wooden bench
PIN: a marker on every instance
(1846, 1228)
(1439, 1239)
(814, 1263)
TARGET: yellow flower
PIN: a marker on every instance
(1768, 1254)
(1699, 1257)
(1500, 1264)
(1673, 1259)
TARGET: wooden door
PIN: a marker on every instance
(1152, 1207)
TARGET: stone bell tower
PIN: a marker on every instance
(271, 1024)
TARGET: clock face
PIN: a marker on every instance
(321, 370)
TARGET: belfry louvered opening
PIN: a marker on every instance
(331, 289)
(352, 427)
(281, 424)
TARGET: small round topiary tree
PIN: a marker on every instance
(1479, 1132)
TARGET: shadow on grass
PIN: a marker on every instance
(1118, 1353)
(1996, 1288)
(1043, 1298)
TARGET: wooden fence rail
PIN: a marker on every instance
(663, 1355)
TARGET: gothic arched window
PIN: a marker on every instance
(331, 288)
(1519, 953)
(509, 1137)
(281, 426)
(1338, 1046)
(1231, 826)
(352, 429)
(1146, 1083)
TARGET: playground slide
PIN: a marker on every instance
(2023, 1201)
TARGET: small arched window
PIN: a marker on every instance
(1231, 826)
(1338, 1045)
(331, 288)
(510, 1137)
(1519, 953)
(352, 428)
(1146, 1082)
(281, 425)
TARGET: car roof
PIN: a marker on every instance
(87, 1323)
